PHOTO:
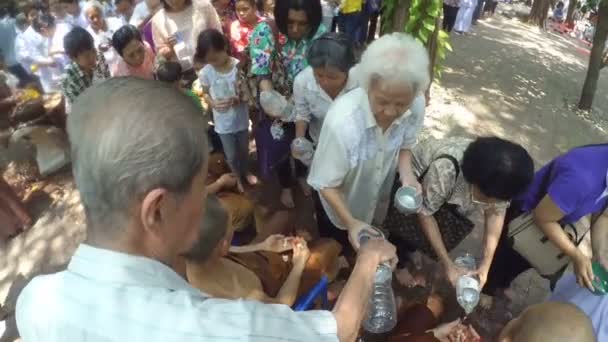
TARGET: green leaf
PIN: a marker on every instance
(429, 24)
(441, 54)
(443, 35)
(448, 46)
(423, 35)
(414, 13)
(410, 26)
(433, 12)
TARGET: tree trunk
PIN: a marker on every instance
(534, 10)
(539, 12)
(400, 15)
(542, 20)
(596, 58)
(570, 15)
(432, 48)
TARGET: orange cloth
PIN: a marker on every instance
(232, 280)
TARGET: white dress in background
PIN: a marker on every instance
(464, 18)
(32, 52)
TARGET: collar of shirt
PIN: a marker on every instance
(313, 86)
(130, 270)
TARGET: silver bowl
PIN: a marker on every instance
(408, 200)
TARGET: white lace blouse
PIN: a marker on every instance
(354, 155)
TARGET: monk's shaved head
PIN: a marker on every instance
(549, 322)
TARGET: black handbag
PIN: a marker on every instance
(407, 234)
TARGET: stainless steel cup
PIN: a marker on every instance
(407, 200)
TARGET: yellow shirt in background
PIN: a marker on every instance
(351, 6)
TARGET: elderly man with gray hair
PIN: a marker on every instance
(368, 133)
(140, 161)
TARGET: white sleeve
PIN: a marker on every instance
(330, 164)
(255, 321)
(302, 107)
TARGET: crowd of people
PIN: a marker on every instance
(460, 15)
(163, 101)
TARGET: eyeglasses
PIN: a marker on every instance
(497, 204)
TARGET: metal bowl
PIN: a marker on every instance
(407, 200)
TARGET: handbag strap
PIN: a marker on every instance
(443, 156)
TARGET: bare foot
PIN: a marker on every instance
(287, 198)
(306, 189)
(252, 179)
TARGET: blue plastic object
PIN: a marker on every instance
(307, 301)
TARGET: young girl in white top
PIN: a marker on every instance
(218, 79)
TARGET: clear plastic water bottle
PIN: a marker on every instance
(382, 310)
(222, 89)
(304, 149)
(276, 105)
(467, 287)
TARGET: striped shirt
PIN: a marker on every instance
(110, 296)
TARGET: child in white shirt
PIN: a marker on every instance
(218, 79)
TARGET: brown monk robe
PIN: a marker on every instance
(415, 319)
(419, 323)
(256, 271)
(13, 214)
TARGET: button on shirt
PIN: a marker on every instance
(109, 296)
(355, 156)
(312, 102)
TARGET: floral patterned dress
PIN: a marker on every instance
(273, 148)
(262, 48)
(239, 37)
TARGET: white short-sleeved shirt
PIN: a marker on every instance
(236, 118)
(107, 296)
(105, 37)
(33, 50)
(567, 290)
(312, 102)
(355, 156)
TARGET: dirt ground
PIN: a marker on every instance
(506, 79)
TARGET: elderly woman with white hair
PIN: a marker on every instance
(368, 133)
(102, 29)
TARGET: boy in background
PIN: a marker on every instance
(87, 66)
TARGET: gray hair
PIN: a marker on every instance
(395, 57)
(93, 4)
(129, 136)
(213, 229)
